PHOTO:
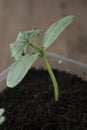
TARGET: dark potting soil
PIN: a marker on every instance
(31, 105)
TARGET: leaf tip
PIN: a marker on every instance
(9, 85)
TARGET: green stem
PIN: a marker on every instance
(52, 76)
(35, 47)
(54, 81)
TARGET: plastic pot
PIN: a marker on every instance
(56, 61)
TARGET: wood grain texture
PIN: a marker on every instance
(19, 15)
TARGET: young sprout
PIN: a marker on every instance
(2, 118)
(24, 60)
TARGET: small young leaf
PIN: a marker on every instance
(55, 30)
(2, 119)
(20, 68)
(2, 110)
(18, 48)
(28, 36)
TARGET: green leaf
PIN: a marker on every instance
(28, 36)
(20, 68)
(2, 110)
(2, 119)
(55, 30)
(18, 48)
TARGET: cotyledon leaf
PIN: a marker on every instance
(20, 68)
(55, 30)
(18, 48)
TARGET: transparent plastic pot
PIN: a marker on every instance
(57, 62)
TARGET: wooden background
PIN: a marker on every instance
(20, 15)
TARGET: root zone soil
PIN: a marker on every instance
(31, 105)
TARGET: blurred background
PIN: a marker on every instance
(21, 15)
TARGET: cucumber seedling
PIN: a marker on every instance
(24, 60)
